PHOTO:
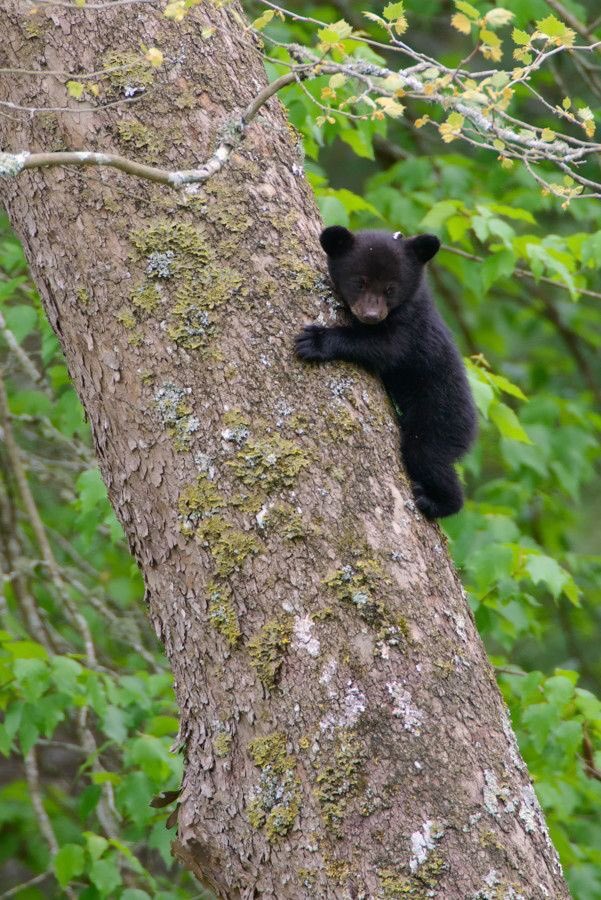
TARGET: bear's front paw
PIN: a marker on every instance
(311, 343)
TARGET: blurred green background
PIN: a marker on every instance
(85, 736)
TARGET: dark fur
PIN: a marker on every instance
(398, 334)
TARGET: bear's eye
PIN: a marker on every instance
(361, 282)
(389, 290)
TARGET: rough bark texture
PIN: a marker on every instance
(343, 733)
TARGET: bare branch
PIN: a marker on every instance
(13, 163)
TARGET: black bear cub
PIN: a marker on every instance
(398, 334)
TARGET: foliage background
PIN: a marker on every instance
(527, 543)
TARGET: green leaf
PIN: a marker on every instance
(105, 875)
(482, 391)
(553, 28)
(263, 20)
(114, 724)
(96, 844)
(470, 11)
(497, 265)
(520, 37)
(91, 490)
(507, 422)
(68, 863)
(508, 387)
(26, 650)
(439, 213)
(393, 11)
(21, 320)
(360, 144)
(546, 570)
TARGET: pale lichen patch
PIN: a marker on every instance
(403, 708)
(423, 842)
(304, 638)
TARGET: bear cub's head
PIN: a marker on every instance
(376, 272)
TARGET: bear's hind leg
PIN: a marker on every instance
(436, 486)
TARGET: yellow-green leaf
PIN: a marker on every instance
(263, 20)
(470, 11)
(520, 37)
(461, 23)
(560, 34)
(498, 17)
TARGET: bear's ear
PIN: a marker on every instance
(425, 246)
(336, 240)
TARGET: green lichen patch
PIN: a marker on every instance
(237, 427)
(339, 870)
(222, 744)
(131, 70)
(419, 885)
(197, 282)
(284, 521)
(222, 614)
(268, 648)
(226, 205)
(271, 463)
(83, 297)
(146, 298)
(228, 546)
(342, 424)
(175, 412)
(197, 501)
(147, 143)
(276, 801)
(126, 317)
(340, 779)
(360, 586)
(270, 751)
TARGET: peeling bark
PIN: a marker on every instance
(343, 733)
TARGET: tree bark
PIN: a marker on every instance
(342, 729)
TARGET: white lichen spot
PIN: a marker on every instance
(237, 435)
(382, 649)
(339, 386)
(528, 809)
(303, 636)
(328, 672)
(12, 163)
(514, 753)
(403, 708)
(205, 464)
(260, 516)
(350, 707)
(423, 842)
(159, 264)
(491, 792)
(496, 889)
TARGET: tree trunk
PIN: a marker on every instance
(342, 730)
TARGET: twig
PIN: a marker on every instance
(19, 888)
(24, 360)
(523, 273)
(14, 163)
(572, 20)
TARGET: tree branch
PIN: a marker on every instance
(12, 164)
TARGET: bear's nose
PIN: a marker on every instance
(370, 316)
